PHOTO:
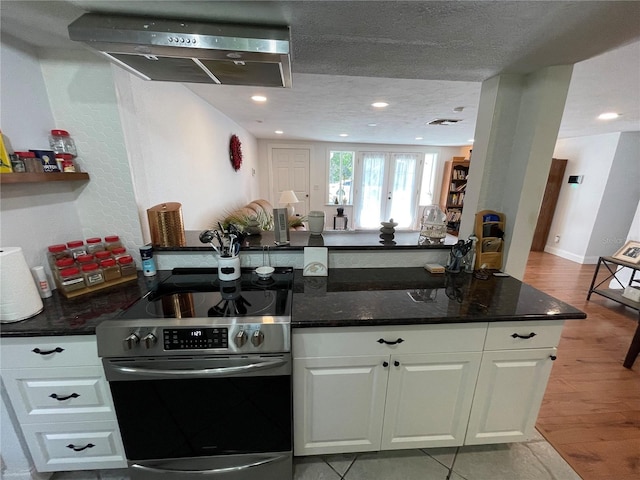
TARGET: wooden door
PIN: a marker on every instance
(290, 168)
(549, 201)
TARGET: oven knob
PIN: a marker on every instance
(241, 338)
(131, 341)
(257, 338)
(149, 340)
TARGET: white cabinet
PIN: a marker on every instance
(386, 394)
(62, 401)
(513, 376)
(383, 388)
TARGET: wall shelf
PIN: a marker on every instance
(7, 178)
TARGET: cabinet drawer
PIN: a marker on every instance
(49, 352)
(75, 446)
(53, 395)
(323, 342)
(500, 335)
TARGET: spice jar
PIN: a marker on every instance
(77, 248)
(110, 269)
(62, 264)
(92, 274)
(61, 142)
(57, 252)
(94, 245)
(118, 252)
(84, 259)
(102, 255)
(17, 163)
(65, 162)
(71, 279)
(112, 241)
(127, 265)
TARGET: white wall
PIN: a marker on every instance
(178, 149)
(578, 204)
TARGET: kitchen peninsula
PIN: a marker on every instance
(383, 358)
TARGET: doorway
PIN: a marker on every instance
(290, 171)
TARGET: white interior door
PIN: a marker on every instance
(386, 188)
(290, 169)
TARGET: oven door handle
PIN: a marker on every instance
(213, 471)
(203, 372)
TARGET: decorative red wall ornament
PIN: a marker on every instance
(235, 152)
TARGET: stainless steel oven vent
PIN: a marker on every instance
(190, 52)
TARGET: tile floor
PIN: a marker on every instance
(533, 460)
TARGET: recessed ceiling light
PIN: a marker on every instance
(344, 134)
(279, 132)
(608, 116)
(372, 124)
(380, 104)
(259, 98)
(419, 138)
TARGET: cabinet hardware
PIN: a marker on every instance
(552, 357)
(48, 352)
(79, 449)
(525, 337)
(62, 399)
(396, 363)
(382, 340)
(385, 364)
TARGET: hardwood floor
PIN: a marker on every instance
(591, 409)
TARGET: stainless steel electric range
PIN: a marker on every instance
(200, 374)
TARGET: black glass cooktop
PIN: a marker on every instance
(199, 293)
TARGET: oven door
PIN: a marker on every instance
(226, 416)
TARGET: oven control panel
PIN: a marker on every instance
(195, 338)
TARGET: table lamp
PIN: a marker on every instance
(289, 197)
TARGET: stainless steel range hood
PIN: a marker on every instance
(190, 52)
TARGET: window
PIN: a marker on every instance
(341, 177)
(428, 176)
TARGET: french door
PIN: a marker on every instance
(387, 187)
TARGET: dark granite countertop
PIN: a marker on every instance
(405, 296)
(333, 240)
(347, 297)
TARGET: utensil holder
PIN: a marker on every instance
(228, 268)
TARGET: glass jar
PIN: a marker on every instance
(61, 142)
(17, 163)
(127, 265)
(71, 279)
(102, 255)
(77, 248)
(112, 241)
(110, 269)
(65, 162)
(433, 229)
(84, 259)
(118, 252)
(62, 264)
(92, 274)
(57, 252)
(94, 245)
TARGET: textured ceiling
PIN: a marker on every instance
(423, 57)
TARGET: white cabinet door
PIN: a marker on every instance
(338, 403)
(429, 398)
(508, 395)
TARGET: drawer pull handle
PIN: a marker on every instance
(48, 352)
(552, 357)
(62, 399)
(382, 340)
(525, 337)
(79, 449)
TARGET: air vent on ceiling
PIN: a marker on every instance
(443, 121)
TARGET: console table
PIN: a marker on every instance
(611, 265)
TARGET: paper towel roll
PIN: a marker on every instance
(19, 297)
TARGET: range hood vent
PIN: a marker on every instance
(190, 52)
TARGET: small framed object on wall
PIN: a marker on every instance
(629, 253)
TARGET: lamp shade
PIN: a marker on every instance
(288, 196)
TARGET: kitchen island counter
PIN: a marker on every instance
(410, 296)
